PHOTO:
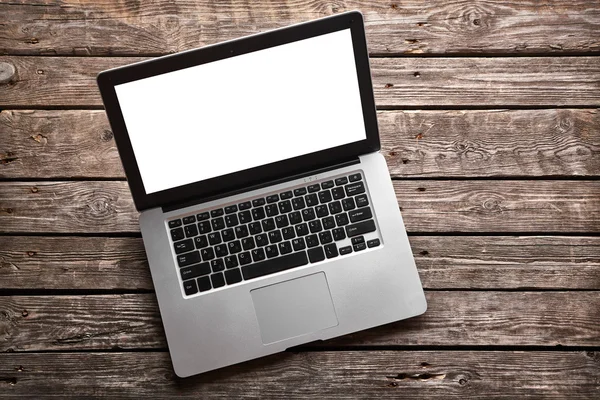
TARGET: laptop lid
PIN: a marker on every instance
(235, 114)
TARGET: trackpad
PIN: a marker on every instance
(293, 308)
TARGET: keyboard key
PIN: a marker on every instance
(258, 254)
(246, 205)
(341, 181)
(271, 210)
(231, 220)
(355, 188)
(327, 185)
(328, 223)
(217, 265)
(274, 198)
(321, 211)
(275, 265)
(258, 213)
(258, 202)
(216, 213)
(281, 221)
(373, 243)
(360, 228)
(342, 219)
(217, 280)
(177, 234)
(241, 231)
(200, 241)
(312, 241)
(360, 214)
(325, 196)
(233, 276)
(286, 195)
(295, 217)
(362, 200)
(302, 229)
(191, 230)
(175, 223)
(338, 193)
(218, 223)
(190, 287)
(202, 216)
(262, 240)
(194, 271)
(245, 258)
(346, 250)
(355, 177)
(285, 247)
(255, 228)
(331, 250)
(311, 200)
(271, 251)
(214, 238)
(314, 188)
(308, 214)
(348, 204)
(234, 247)
(228, 235)
(244, 217)
(275, 236)
(184, 246)
(285, 206)
(207, 253)
(221, 250)
(189, 220)
(298, 244)
(315, 226)
(288, 233)
(335, 207)
(298, 203)
(339, 234)
(231, 209)
(248, 243)
(268, 224)
(358, 239)
(188, 258)
(300, 191)
(325, 237)
(231, 262)
(360, 246)
(204, 284)
(316, 254)
(204, 227)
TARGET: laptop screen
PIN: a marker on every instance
(245, 111)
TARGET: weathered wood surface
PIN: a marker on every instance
(462, 143)
(352, 374)
(444, 262)
(393, 27)
(428, 206)
(453, 318)
(397, 82)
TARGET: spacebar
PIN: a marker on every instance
(275, 265)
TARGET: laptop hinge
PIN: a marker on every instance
(173, 207)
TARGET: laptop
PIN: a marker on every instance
(267, 212)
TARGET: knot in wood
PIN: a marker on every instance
(492, 205)
(101, 207)
(106, 135)
(8, 72)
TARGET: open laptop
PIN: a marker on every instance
(267, 212)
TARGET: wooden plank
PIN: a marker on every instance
(456, 318)
(398, 82)
(467, 143)
(406, 27)
(444, 262)
(428, 206)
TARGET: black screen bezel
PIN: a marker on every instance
(108, 79)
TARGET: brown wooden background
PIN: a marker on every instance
(490, 124)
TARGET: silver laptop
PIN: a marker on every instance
(267, 212)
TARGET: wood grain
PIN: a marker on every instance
(428, 206)
(398, 82)
(466, 143)
(444, 262)
(453, 318)
(407, 27)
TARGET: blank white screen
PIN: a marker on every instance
(238, 113)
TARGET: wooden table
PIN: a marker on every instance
(489, 120)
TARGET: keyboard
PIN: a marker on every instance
(278, 232)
